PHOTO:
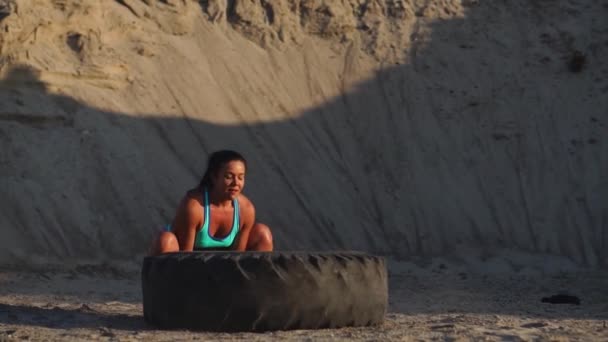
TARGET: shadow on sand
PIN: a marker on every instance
(58, 318)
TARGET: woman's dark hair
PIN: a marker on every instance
(214, 164)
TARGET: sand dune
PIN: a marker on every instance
(401, 128)
(463, 139)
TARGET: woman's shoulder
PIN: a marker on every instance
(246, 209)
(245, 203)
(193, 193)
(188, 210)
(192, 200)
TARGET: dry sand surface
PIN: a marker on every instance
(428, 301)
(452, 130)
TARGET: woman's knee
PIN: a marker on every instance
(166, 242)
(263, 232)
(260, 238)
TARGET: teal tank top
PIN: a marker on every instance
(203, 239)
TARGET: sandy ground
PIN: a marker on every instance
(433, 302)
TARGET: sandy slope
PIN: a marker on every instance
(409, 132)
(397, 127)
(469, 130)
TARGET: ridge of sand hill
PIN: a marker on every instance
(396, 127)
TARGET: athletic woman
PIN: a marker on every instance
(216, 215)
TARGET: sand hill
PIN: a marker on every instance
(402, 127)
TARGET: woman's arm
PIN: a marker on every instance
(186, 222)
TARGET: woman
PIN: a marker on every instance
(216, 215)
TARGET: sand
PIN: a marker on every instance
(400, 127)
(429, 300)
(435, 132)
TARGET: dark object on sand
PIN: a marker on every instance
(577, 61)
(6, 8)
(255, 291)
(561, 299)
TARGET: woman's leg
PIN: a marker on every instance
(165, 242)
(260, 238)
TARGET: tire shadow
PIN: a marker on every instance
(61, 318)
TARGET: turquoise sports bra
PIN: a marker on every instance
(203, 239)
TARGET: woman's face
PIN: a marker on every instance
(230, 179)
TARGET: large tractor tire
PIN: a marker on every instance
(254, 291)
